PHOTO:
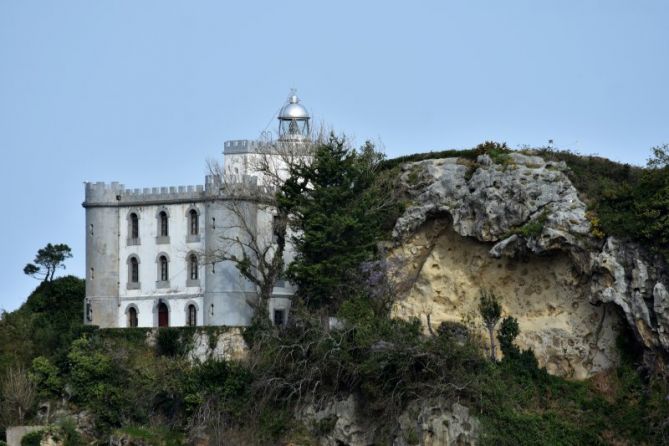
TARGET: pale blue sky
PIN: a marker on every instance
(143, 92)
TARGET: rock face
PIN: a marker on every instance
(337, 423)
(225, 344)
(520, 229)
(433, 422)
(437, 423)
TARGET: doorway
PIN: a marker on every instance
(163, 315)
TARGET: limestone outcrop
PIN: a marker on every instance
(519, 228)
(428, 422)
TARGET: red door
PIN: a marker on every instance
(163, 315)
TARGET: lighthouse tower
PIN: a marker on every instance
(294, 121)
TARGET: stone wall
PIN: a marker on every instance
(16, 433)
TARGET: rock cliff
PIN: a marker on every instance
(517, 226)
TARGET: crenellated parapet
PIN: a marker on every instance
(239, 146)
(241, 187)
(102, 194)
(114, 194)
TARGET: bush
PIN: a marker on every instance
(508, 331)
(46, 377)
(169, 343)
(32, 438)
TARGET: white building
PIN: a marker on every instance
(147, 250)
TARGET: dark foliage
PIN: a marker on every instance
(48, 260)
(339, 216)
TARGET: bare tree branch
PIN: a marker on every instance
(254, 235)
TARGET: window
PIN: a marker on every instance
(164, 273)
(194, 224)
(164, 227)
(132, 317)
(134, 270)
(192, 267)
(192, 315)
(134, 226)
(276, 228)
(279, 318)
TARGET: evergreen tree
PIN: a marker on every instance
(337, 218)
(48, 260)
(490, 311)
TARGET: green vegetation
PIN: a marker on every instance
(533, 228)
(499, 153)
(150, 436)
(339, 214)
(626, 201)
(155, 394)
(490, 311)
(32, 439)
(48, 260)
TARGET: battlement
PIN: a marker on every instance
(239, 146)
(237, 187)
(115, 194)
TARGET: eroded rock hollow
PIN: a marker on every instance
(520, 229)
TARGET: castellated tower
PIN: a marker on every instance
(102, 244)
(153, 255)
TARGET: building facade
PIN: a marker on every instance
(152, 254)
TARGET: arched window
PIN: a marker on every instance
(192, 267)
(134, 270)
(194, 223)
(164, 226)
(192, 315)
(134, 226)
(132, 317)
(164, 272)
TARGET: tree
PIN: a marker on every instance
(19, 394)
(255, 234)
(47, 261)
(490, 311)
(660, 158)
(336, 215)
(508, 331)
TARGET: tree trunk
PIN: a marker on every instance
(491, 332)
(429, 325)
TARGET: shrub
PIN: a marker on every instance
(490, 311)
(508, 331)
(533, 228)
(46, 377)
(32, 438)
(168, 342)
(71, 437)
(499, 153)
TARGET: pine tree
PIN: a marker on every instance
(337, 216)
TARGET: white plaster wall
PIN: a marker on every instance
(147, 314)
(148, 250)
(237, 164)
